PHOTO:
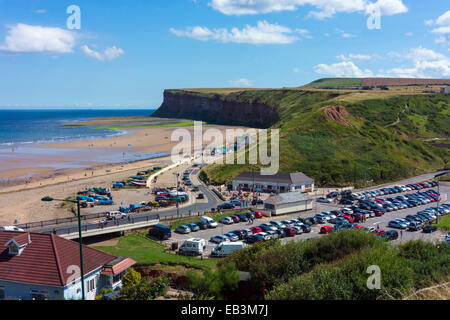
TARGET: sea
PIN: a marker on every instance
(20, 128)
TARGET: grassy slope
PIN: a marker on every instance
(146, 251)
(337, 155)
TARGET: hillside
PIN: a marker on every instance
(334, 136)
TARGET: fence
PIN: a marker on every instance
(106, 224)
(46, 223)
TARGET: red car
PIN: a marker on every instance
(348, 218)
(290, 232)
(326, 229)
(236, 219)
(256, 230)
(257, 214)
(378, 212)
(379, 232)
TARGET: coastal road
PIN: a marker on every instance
(193, 208)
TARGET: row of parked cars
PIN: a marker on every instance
(387, 191)
(207, 222)
(422, 220)
(265, 231)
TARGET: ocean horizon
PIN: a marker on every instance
(32, 127)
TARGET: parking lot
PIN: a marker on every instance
(381, 222)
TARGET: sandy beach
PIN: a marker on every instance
(25, 180)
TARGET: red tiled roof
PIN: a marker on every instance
(21, 239)
(46, 259)
(118, 268)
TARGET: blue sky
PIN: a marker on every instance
(127, 52)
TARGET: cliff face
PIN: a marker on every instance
(218, 109)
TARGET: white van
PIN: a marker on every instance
(227, 248)
(194, 246)
(209, 222)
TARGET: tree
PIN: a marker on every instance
(131, 278)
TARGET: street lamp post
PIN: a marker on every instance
(49, 199)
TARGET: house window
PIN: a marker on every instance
(13, 249)
(91, 285)
(39, 295)
(118, 277)
(2, 293)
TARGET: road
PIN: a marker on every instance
(194, 207)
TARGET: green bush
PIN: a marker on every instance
(213, 284)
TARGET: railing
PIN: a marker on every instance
(46, 223)
(107, 224)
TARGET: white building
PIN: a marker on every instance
(39, 266)
(445, 89)
(279, 183)
(287, 203)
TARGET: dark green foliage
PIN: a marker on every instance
(213, 284)
(136, 288)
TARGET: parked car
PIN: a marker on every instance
(429, 228)
(397, 224)
(194, 227)
(290, 232)
(236, 219)
(225, 206)
(160, 231)
(226, 220)
(200, 196)
(183, 229)
(232, 236)
(209, 222)
(324, 200)
(415, 226)
(390, 235)
(193, 246)
(256, 230)
(218, 239)
(243, 217)
(326, 229)
(226, 248)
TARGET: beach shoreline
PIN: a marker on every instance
(20, 200)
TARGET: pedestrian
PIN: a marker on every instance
(54, 230)
(401, 234)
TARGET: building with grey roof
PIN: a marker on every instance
(279, 183)
(287, 203)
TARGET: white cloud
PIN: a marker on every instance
(409, 34)
(443, 27)
(426, 63)
(262, 33)
(26, 38)
(40, 11)
(296, 70)
(347, 35)
(345, 69)
(109, 54)
(352, 56)
(325, 8)
(241, 83)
